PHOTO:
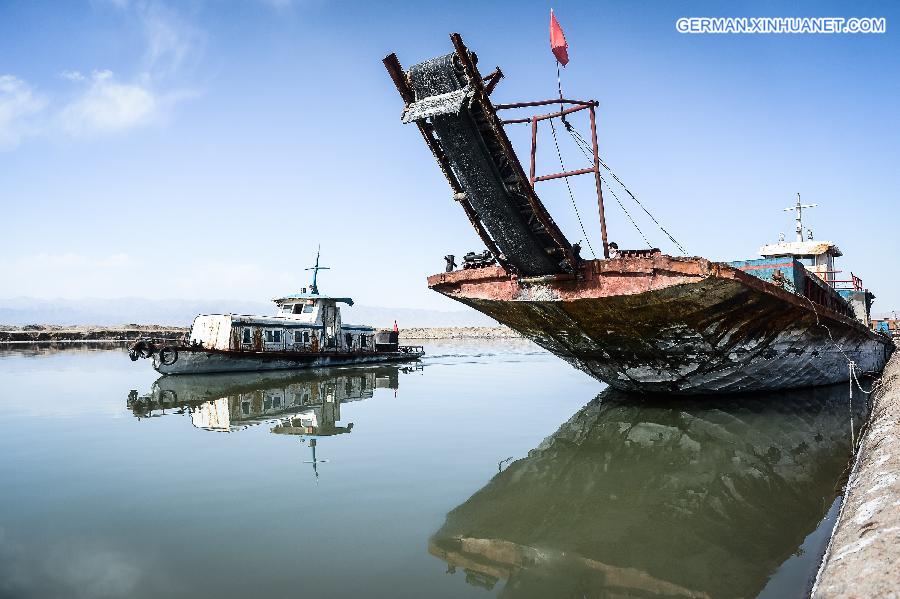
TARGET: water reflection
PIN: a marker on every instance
(304, 403)
(704, 498)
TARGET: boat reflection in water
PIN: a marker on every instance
(296, 403)
(638, 497)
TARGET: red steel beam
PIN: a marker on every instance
(584, 103)
(544, 117)
(600, 208)
(580, 171)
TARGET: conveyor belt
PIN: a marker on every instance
(446, 97)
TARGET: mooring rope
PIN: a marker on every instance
(854, 378)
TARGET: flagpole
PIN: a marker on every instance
(559, 87)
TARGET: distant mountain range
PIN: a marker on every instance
(178, 312)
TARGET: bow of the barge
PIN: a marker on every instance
(680, 325)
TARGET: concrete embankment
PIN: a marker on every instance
(124, 333)
(863, 558)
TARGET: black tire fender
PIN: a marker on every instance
(168, 355)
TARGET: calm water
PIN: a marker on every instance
(489, 469)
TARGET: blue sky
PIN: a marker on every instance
(204, 149)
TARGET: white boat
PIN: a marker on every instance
(306, 332)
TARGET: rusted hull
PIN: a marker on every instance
(203, 361)
(675, 325)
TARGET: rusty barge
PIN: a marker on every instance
(638, 320)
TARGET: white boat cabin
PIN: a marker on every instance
(305, 322)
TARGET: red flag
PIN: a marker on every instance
(558, 43)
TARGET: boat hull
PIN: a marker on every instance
(675, 325)
(192, 360)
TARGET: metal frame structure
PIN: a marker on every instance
(574, 106)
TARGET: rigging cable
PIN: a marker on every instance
(626, 212)
(621, 205)
(571, 195)
(582, 144)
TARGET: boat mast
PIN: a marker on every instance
(314, 289)
(798, 207)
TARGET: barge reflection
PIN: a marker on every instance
(643, 497)
(304, 403)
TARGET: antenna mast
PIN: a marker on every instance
(798, 207)
(314, 289)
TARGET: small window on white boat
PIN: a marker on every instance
(277, 336)
(245, 335)
(298, 308)
(305, 336)
(308, 308)
(363, 340)
(245, 408)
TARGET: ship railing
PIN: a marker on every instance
(854, 282)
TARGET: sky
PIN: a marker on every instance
(205, 149)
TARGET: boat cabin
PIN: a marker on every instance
(817, 256)
(304, 322)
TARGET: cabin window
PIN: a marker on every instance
(308, 308)
(277, 336)
(245, 408)
(286, 307)
(273, 336)
(245, 336)
(298, 308)
(363, 341)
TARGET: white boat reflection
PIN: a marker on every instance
(306, 403)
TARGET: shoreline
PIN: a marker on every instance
(13, 335)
